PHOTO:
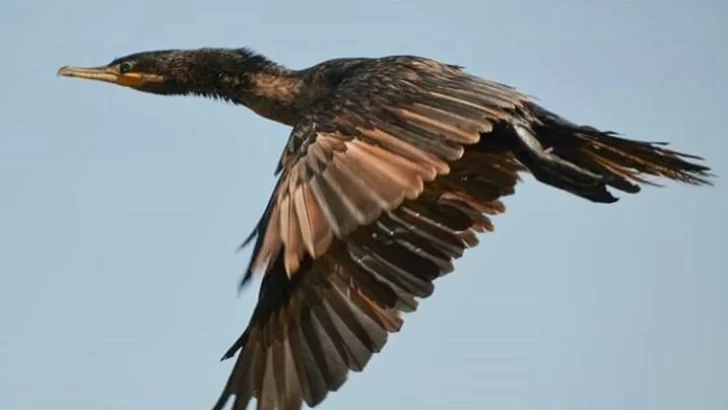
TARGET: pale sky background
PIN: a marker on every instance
(120, 212)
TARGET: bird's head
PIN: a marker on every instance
(216, 72)
(159, 72)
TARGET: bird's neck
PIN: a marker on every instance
(241, 77)
(275, 93)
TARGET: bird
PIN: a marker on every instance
(393, 168)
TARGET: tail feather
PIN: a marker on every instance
(617, 162)
(629, 159)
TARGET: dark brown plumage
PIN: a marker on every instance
(393, 166)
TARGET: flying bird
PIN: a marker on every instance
(392, 168)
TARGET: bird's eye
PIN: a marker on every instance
(124, 68)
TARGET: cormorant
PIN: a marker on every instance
(392, 167)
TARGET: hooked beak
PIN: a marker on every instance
(106, 74)
(109, 75)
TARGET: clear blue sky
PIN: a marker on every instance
(120, 212)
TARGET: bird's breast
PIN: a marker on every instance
(275, 111)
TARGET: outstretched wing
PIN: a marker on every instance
(382, 186)
(389, 129)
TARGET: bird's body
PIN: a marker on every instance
(392, 167)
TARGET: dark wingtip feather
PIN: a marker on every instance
(247, 277)
(236, 346)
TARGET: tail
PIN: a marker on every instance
(585, 161)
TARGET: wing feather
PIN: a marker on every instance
(378, 193)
